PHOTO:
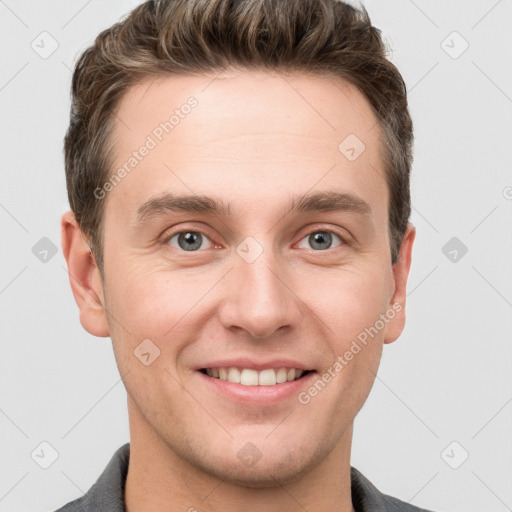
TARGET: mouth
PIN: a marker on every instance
(252, 377)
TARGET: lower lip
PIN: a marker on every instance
(257, 395)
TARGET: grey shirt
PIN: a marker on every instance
(107, 494)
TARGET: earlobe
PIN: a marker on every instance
(400, 274)
(84, 277)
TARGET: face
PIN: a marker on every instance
(273, 269)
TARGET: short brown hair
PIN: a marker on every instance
(166, 37)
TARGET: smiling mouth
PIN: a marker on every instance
(251, 377)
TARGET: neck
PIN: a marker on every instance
(158, 479)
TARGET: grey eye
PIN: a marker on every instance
(321, 240)
(188, 240)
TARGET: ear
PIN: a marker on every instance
(84, 277)
(400, 275)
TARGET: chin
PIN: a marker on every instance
(271, 471)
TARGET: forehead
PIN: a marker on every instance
(253, 135)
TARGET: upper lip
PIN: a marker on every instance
(254, 364)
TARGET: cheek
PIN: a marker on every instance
(350, 305)
(350, 300)
(155, 304)
(149, 316)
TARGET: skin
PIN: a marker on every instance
(254, 139)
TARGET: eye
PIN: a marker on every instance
(188, 240)
(322, 240)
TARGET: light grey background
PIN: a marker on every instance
(447, 379)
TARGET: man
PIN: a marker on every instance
(238, 175)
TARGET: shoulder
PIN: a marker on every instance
(107, 494)
(367, 498)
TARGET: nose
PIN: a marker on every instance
(259, 297)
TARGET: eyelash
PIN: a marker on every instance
(342, 238)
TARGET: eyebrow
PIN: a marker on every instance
(326, 201)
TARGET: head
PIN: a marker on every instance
(287, 129)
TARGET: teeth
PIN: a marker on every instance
(234, 375)
(267, 378)
(281, 375)
(250, 377)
